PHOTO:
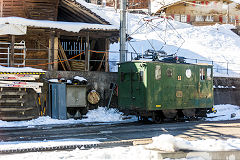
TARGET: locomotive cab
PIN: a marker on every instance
(159, 90)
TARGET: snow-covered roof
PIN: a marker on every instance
(83, 7)
(161, 4)
(66, 26)
(106, 13)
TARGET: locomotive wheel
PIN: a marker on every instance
(189, 112)
(157, 118)
(170, 113)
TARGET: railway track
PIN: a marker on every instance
(110, 135)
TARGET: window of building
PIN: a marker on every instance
(199, 18)
(231, 19)
(202, 74)
(183, 18)
(224, 19)
(209, 18)
(198, 3)
(177, 17)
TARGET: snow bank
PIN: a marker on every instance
(101, 114)
(104, 115)
(161, 144)
(170, 143)
(224, 112)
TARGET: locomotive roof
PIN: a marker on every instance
(140, 61)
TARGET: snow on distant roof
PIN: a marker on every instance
(157, 4)
(67, 26)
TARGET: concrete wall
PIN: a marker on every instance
(226, 90)
(99, 81)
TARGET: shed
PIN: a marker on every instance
(60, 35)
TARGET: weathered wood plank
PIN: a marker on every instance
(64, 56)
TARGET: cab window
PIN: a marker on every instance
(202, 74)
(209, 73)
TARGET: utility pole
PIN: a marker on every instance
(123, 29)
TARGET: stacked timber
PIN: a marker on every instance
(19, 96)
(77, 65)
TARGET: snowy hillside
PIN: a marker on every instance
(216, 44)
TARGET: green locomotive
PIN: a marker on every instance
(158, 90)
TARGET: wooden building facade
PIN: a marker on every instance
(207, 12)
(52, 48)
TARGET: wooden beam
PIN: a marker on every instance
(1, 14)
(11, 60)
(55, 60)
(60, 59)
(51, 51)
(87, 54)
(63, 55)
(107, 43)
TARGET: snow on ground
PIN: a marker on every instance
(102, 114)
(170, 143)
(99, 115)
(224, 112)
(162, 143)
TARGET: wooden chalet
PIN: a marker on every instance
(51, 47)
(207, 12)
